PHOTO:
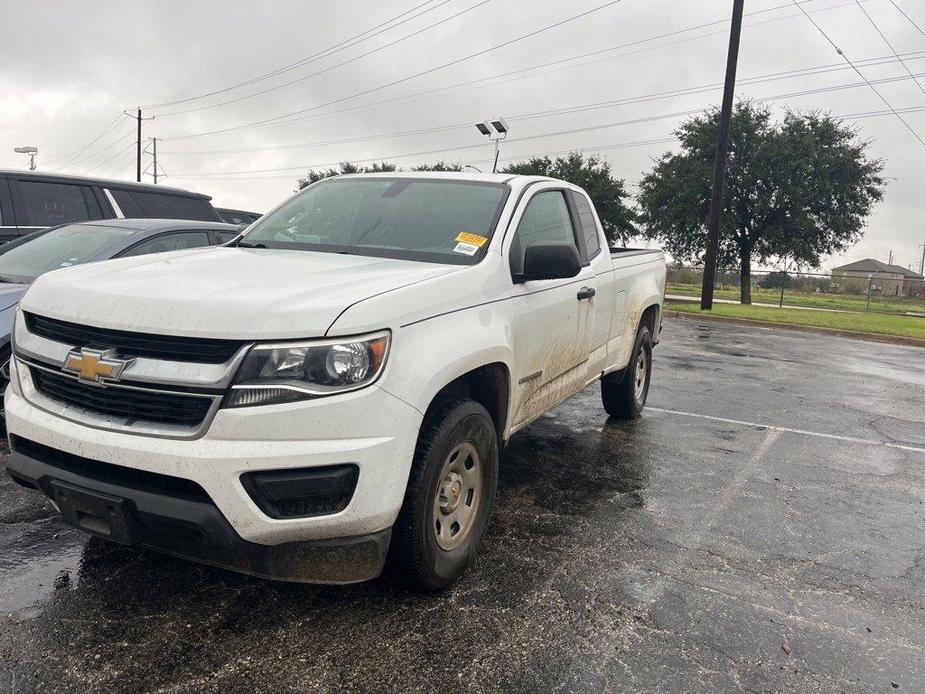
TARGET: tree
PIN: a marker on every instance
(345, 167)
(593, 174)
(439, 166)
(779, 279)
(801, 188)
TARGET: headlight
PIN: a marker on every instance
(286, 372)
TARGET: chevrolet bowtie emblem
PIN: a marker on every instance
(94, 365)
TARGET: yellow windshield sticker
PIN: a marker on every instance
(471, 239)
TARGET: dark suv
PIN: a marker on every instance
(31, 200)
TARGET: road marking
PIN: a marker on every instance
(789, 430)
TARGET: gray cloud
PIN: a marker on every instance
(70, 68)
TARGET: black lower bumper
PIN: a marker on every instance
(176, 516)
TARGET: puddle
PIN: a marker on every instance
(38, 558)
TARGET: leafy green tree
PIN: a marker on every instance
(439, 166)
(345, 167)
(801, 188)
(594, 175)
(777, 280)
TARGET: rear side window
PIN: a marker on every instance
(546, 219)
(49, 204)
(177, 241)
(130, 208)
(588, 226)
(166, 206)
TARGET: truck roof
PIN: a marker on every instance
(453, 175)
(108, 182)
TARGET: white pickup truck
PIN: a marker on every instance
(333, 386)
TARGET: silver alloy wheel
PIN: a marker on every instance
(641, 374)
(459, 492)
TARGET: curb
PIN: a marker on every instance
(852, 334)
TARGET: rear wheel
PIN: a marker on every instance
(624, 394)
(449, 498)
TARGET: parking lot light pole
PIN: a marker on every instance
(722, 148)
(496, 130)
(31, 151)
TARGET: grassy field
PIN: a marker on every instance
(882, 324)
(844, 302)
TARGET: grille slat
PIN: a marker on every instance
(131, 404)
(130, 345)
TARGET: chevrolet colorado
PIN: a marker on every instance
(334, 385)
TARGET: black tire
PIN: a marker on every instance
(622, 399)
(415, 557)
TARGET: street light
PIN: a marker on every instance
(31, 151)
(496, 129)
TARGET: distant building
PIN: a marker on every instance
(883, 279)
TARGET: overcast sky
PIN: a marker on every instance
(69, 69)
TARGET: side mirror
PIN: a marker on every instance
(550, 261)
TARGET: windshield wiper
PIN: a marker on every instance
(242, 244)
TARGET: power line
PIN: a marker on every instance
(225, 175)
(572, 131)
(106, 161)
(217, 176)
(890, 45)
(861, 75)
(330, 50)
(427, 71)
(330, 67)
(921, 31)
(83, 159)
(686, 91)
(461, 86)
(105, 131)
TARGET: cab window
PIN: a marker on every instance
(588, 225)
(546, 219)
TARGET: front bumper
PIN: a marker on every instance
(368, 428)
(176, 519)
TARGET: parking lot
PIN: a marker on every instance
(762, 528)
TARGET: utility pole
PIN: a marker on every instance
(154, 154)
(722, 149)
(138, 118)
(138, 151)
(152, 168)
(890, 261)
(922, 266)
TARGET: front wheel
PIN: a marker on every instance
(624, 394)
(449, 498)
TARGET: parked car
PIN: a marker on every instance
(31, 200)
(237, 216)
(26, 258)
(337, 383)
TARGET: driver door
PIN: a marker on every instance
(550, 340)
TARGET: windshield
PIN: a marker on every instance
(431, 220)
(74, 244)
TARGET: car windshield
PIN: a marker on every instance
(431, 220)
(74, 244)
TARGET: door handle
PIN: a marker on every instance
(586, 293)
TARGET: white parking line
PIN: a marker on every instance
(789, 430)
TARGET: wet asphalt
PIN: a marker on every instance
(761, 528)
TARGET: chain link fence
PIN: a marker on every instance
(878, 292)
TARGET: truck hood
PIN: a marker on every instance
(224, 292)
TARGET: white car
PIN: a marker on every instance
(334, 386)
